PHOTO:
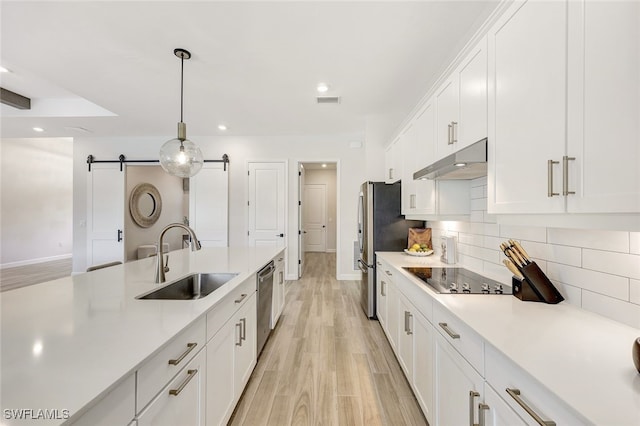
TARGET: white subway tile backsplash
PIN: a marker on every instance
(597, 282)
(481, 181)
(479, 204)
(554, 253)
(471, 239)
(634, 242)
(477, 192)
(490, 218)
(626, 265)
(624, 312)
(491, 229)
(476, 228)
(496, 271)
(491, 242)
(524, 233)
(595, 239)
(476, 216)
(571, 294)
(634, 291)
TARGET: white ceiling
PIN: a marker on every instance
(109, 67)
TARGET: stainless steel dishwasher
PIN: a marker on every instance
(265, 297)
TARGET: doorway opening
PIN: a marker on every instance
(317, 209)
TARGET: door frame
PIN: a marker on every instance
(338, 222)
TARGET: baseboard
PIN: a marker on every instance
(349, 277)
(34, 261)
(291, 277)
(330, 251)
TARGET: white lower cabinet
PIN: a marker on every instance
(231, 357)
(118, 407)
(423, 368)
(458, 386)
(495, 412)
(278, 290)
(382, 284)
(182, 401)
(392, 329)
(406, 312)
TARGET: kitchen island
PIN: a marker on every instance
(68, 343)
(568, 365)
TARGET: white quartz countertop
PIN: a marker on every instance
(582, 358)
(65, 343)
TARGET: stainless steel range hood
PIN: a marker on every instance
(468, 163)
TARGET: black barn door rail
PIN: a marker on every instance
(121, 159)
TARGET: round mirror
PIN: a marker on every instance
(145, 204)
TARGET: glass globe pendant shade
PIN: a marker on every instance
(181, 158)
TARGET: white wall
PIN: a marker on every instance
(37, 182)
(333, 148)
(174, 207)
(597, 270)
(328, 179)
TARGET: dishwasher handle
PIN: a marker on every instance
(266, 272)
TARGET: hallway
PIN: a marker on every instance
(326, 363)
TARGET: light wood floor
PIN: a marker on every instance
(326, 363)
(22, 276)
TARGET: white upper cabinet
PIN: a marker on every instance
(564, 108)
(461, 102)
(393, 162)
(527, 51)
(604, 107)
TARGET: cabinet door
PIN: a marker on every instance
(408, 192)
(455, 381)
(496, 412)
(472, 88)
(381, 299)
(278, 291)
(423, 154)
(446, 117)
(527, 51)
(393, 162)
(405, 335)
(604, 113)
(423, 371)
(182, 401)
(220, 378)
(392, 314)
(245, 345)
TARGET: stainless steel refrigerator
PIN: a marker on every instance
(381, 227)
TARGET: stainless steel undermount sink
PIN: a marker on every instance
(191, 287)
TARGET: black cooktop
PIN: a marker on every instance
(458, 281)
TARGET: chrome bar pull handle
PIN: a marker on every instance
(239, 327)
(406, 322)
(449, 331)
(190, 347)
(243, 329)
(472, 396)
(242, 297)
(454, 133)
(383, 290)
(565, 175)
(389, 273)
(550, 192)
(409, 328)
(412, 201)
(449, 134)
(515, 394)
(190, 375)
(481, 412)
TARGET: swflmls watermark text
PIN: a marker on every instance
(35, 414)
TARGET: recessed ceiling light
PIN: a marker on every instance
(38, 129)
(324, 165)
(460, 164)
(323, 87)
(222, 127)
(3, 69)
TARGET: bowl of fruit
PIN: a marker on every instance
(419, 250)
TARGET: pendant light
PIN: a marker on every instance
(181, 157)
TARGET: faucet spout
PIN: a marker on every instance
(160, 267)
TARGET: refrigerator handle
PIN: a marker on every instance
(363, 266)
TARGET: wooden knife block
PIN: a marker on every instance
(536, 286)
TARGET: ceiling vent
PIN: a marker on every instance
(328, 99)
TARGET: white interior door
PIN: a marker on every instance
(267, 204)
(105, 214)
(315, 217)
(209, 205)
(301, 231)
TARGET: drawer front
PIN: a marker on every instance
(223, 310)
(157, 372)
(461, 337)
(421, 300)
(517, 388)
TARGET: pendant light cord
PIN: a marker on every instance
(181, 84)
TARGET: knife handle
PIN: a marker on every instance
(513, 269)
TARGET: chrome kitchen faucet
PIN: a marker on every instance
(195, 245)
